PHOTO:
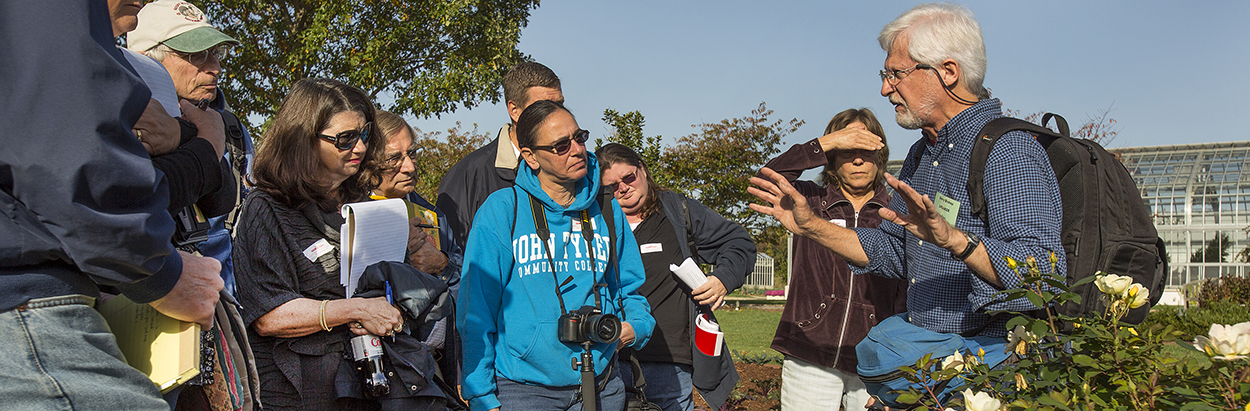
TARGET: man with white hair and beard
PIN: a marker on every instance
(953, 261)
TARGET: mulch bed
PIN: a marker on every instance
(759, 386)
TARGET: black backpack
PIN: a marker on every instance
(1106, 225)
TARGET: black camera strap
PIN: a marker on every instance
(588, 234)
(544, 234)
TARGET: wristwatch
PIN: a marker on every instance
(973, 241)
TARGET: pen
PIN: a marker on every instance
(390, 299)
(426, 226)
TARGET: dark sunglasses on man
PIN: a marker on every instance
(347, 139)
(562, 146)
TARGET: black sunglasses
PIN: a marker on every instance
(627, 179)
(346, 139)
(562, 146)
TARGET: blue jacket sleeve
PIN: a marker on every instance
(68, 156)
(488, 265)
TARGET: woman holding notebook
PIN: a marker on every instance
(669, 229)
(318, 155)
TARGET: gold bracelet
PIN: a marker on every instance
(323, 315)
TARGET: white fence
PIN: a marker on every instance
(762, 276)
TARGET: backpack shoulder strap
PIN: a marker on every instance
(237, 149)
(984, 143)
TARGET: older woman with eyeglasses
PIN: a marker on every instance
(318, 154)
(432, 247)
(538, 251)
(828, 309)
(670, 228)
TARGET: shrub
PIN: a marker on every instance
(1197, 321)
(1226, 288)
(1102, 364)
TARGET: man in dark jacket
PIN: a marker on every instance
(492, 167)
(82, 206)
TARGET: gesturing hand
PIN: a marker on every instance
(922, 220)
(785, 203)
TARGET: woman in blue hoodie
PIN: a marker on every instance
(515, 287)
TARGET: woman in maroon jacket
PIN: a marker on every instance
(830, 310)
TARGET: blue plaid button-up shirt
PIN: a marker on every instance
(1022, 197)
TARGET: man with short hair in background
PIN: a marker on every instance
(467, 184)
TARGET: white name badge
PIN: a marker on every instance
(651, 248)
(577, 225)
(840, 222)
(317, 249)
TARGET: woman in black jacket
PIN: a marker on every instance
(663, 221)
(319, 154)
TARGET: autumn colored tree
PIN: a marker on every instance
(429, 57)
(436, 155)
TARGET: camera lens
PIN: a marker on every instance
(606, 328)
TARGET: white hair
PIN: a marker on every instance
(159, 52)
(940, 31)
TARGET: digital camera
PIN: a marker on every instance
(589, 324)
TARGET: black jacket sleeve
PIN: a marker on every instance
(193, 170)
(725, 243)
(88, 192)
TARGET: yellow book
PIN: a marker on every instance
(165, 349)
(427, 217)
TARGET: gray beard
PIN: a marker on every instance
(908, 119)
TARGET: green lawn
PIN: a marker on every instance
(749, 330)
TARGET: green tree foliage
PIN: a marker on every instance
(1215, 250)
(627, 130)
(436, 155)
(715, 165)
(429, 56)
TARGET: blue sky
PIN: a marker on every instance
(1171, 72)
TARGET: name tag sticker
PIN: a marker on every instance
(840, 222)
(317, 249)
(947, 207)
(577, 225)
(651, 248)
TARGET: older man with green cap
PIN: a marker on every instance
(179, 35)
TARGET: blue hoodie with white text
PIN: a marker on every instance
(508, 311)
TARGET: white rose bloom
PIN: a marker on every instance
(1226, 342)
(1113, 284)
(955, 361)
(979, 401)
(1137, 296)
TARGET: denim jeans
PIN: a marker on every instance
(64, 357)
(515, 396)
(668, 384)
(807, 386)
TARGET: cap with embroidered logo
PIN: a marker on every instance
(177, 24)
